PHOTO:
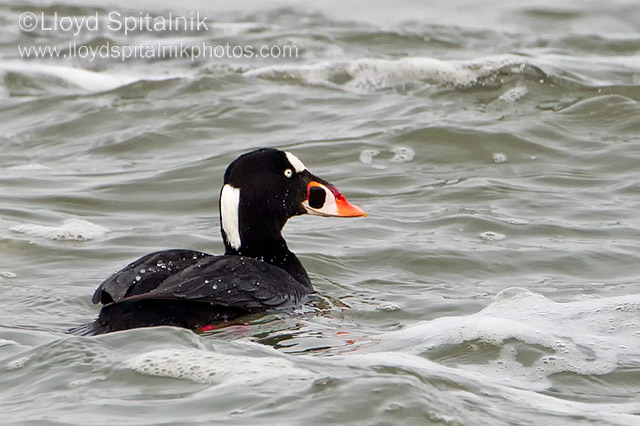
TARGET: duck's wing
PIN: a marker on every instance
(187, 275)
(234, 281)
(145, 274)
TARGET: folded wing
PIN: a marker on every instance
(233, 281)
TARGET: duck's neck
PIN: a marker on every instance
(261, 238)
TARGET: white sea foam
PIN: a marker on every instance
(402, 154)
(514, 95)
(585, 337)
(376, 74)
(594, 336)
(388, 307)
(71, 230)
(499, 158)
(492, 236)
(18, 363)
(367, 155)
(30, 167)
(203, 366)
(514, 221)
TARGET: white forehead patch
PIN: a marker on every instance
(229, 205)
(295, 162)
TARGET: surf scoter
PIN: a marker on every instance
(190, 289)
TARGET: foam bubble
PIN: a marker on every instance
(71, 230)
(203, 366)
(86, 381)
(402, 154)
(366, 156)
(514, 95)
(499, 158)
(388, 307)
(492, 236)
(18, 363)
(514, 221)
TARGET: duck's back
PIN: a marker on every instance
(191, 289)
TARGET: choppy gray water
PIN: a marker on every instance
(495, 146)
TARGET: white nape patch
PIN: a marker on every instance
(229, 205)
(295, 162)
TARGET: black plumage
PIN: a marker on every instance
(192, 289)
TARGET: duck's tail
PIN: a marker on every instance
(89, 329)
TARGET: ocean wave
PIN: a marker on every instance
(508, 401)
(81, 78)
(587, 337)
(52, 78)
(377, 74)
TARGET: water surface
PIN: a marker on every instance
(494, 146)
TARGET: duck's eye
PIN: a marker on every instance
(288, 173)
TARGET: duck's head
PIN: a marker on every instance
(264, 188)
